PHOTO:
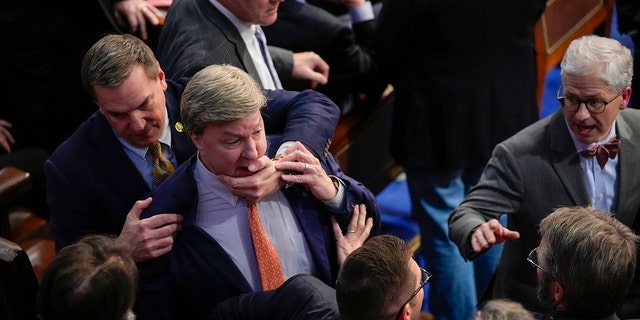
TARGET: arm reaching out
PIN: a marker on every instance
(357, 232)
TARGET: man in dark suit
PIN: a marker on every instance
(198, 33)
(547, 165)
(213, 257)
(45, 112)
(465, 79)
(346, 48)
(95, 177)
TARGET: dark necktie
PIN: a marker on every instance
(268, 260)
(603, 152)
(162, 167)
(262, 41)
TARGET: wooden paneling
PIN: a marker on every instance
(361, 144)
(563, 21)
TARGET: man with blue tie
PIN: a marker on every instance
(198, 33)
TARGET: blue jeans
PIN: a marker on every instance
(456, 284)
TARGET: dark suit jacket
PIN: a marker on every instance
(301, 297)
(528, 176)
(196, 34)
(92, 184)
(190, 280)
(464, 77)
(347, 49)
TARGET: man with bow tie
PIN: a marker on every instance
(551, 163)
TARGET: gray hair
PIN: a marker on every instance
(219, 94)
(503, 309)
(110, 60)
(592, 255)
(602, 57)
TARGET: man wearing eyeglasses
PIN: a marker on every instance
(570, 158)
(585, 263)
(378, 280)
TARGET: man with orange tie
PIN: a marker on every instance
(98, 178)
(219, 251)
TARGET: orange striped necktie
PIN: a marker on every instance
(268, 261)
(162, 167)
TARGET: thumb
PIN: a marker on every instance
(337, 231)
(138, 207)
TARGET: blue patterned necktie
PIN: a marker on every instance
(262, 41)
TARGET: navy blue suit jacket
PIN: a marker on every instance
(189, 281)
(92, 184)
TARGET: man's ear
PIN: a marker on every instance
(405, 314)
(557, 292)
(195, 138)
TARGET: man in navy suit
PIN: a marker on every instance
(213, 257)
(95, 177)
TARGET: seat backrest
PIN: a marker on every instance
(563, 21)
(18, 283)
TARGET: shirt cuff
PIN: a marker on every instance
(337, 202)
(362, 13)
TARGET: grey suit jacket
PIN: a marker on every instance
(527, 177)
(196, 34)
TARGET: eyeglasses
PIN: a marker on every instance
(426, 276)
(533, 259)
(594, 106)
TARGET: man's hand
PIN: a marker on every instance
(305, 169)
(151, 237)
(357, 232)
(490, 233)
(134, 14)
(264, 181)
(349, 3)
(309, 68)
(6, 138)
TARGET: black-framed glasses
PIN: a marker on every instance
(594, 106)
(426, 276)
(533, 259)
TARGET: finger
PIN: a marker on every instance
(318, 77)
(5, 123)
(5, 146)
(368, 226)
(159, 221)
(337, 231)
(511, 235)
(259, 164)
(142, 23)
(362, 219)
(4, 132)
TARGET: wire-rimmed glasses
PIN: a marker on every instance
(533, 259)
(426, 276)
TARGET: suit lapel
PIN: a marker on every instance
(628, 174)
(566, 161)
(231, 33)
(110, 152)
(195, 242)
